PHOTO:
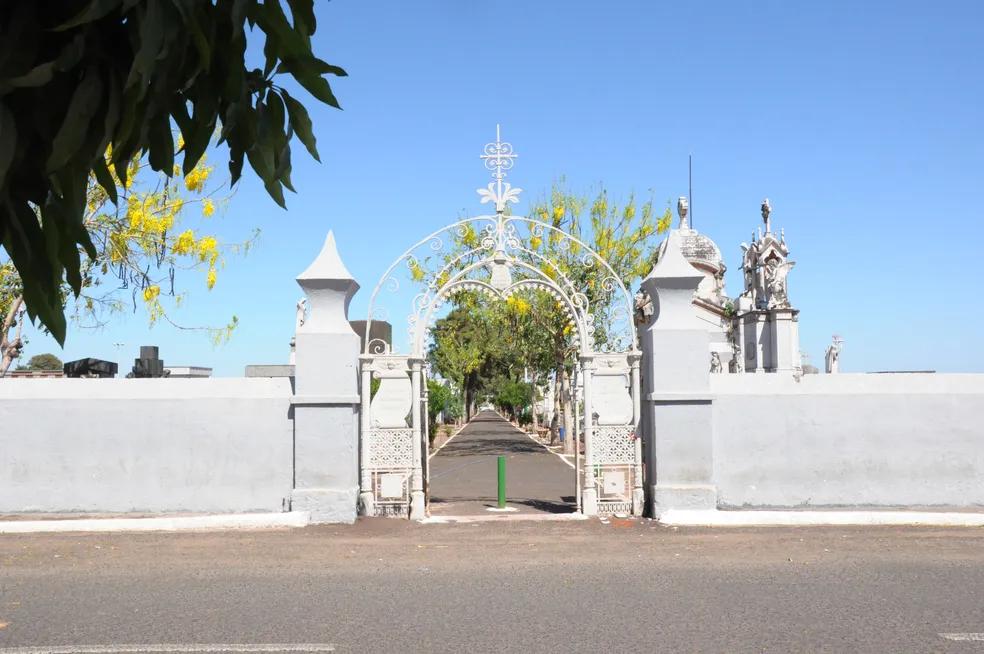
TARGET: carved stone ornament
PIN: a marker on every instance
(644, 309)
(301, 312)
(716, 366)
(832, 355)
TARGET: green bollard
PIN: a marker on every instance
(502, 482)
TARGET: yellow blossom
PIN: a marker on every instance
(151, 292)
(208, 249)
(416, 272)
(185, 243)
(208, 207)
(195, 180)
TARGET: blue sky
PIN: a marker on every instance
(861, 121)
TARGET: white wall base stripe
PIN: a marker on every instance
(186, 523)
(704, 518)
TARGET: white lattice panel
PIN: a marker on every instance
(612, 445)
(390, 448)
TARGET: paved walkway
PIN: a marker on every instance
(463, 473)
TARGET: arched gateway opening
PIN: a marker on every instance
(501, 256)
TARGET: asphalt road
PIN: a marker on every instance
(463, 477)
(387, 585)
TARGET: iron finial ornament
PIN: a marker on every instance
(499, 158)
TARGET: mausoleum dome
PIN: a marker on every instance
(700, 249)
(697, 248)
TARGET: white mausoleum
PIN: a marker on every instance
(757, 331)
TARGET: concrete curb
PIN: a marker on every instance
(186, 523)
(711, 518)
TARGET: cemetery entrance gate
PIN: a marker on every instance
(499, 255)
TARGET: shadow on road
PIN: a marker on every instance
(490, 446)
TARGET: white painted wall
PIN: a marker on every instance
(848, 440)
(152, 445)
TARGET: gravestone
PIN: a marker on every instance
(148, 364)
(90, 368)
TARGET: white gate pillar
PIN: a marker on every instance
(367, 504)
(417, 509)
(677, 405)
(638, 495)
(589, 493)
(326, 400)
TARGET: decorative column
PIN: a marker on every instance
(326, 400)
(638, 495)
(578, 463)
(417, 509)
(366, 496)
(677, 406)
(589, 494)
(425, 441)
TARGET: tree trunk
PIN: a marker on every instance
(555, 421)
(533, 410)
(10, 348)
(565, 399)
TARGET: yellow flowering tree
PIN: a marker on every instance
(533, 328)
(623, 234)
(158, 228)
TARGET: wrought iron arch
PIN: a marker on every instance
(497, 256)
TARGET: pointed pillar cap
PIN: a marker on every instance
(671, 263)
(327, 265)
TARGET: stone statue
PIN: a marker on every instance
(832, 356)
(760, 287)
(749, 279)
(716, 366)
(766, 210)
(720, 294)
(735, 365)
(643, 308)
(683, 206)
(775, 283)
(301, 312)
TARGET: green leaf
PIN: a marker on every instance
(276, 192)
(309, 66)
(319, 88)
(284, 169)
(324, 68)
(272, 123)
(8, 141)
(187, 10)
(161, 151)
(105, 178)
(95, 10)
(81, 108)
(37, 76)
(235, 166)
(151, 41)
(112, 111)
(272, 20)
(197, 132)
(303, 13)
(301, 123)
